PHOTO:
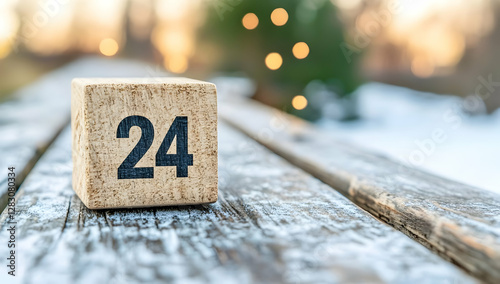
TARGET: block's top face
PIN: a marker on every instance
(139, 81)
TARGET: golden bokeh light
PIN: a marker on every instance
(441, 45)
(176, 64)
(84, 25)
(108, 47)
(274, 61)
(299, 102)
(4, 49)
(250, 21)
(422, 67)
(9, 24)
(300, 50)
(279, 17)
(174, 33)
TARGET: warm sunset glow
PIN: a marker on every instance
(274, 61)
(300, 50)
(431, 36)
(443, 45)
(176, 64)
(89, 22)
(250, 21)
(279, 16)
(4, 49)
(422, 67)
(436, 30)
(299, 102)
(108, 47)
(174, 34)
(9, 23)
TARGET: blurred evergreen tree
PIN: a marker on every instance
(314, 22)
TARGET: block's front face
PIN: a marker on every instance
(150, 143)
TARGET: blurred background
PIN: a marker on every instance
(365, 70)
(437, 46)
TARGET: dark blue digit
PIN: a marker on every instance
(126, 169)
(181, 159)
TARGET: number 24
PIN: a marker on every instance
(181, 159)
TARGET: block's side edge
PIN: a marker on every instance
(212, 89)
(79, 142)
(87, 91)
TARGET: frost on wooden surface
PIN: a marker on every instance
(398, 122)
(36, 113)
(460, 222)
(273, 223)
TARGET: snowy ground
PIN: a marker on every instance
(428, 131)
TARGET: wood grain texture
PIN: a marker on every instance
(273, 223)
(102, 108)
(36, 113)
(460, 222)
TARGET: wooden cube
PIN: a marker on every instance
(141, 142)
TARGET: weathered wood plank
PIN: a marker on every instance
(460, 222)
(273, 223)
(32, 119)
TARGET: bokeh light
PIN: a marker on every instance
(177, 64)
(274, 61)
(299, 102)
(108, 47)
(9, 24)
(174, 33)
(279, 16)
(422, 67)
(83, 24)
(300, 50)
(250, 21)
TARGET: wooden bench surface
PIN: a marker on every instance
(460, 222)
(273, 221)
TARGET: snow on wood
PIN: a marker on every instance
(460, 222)
(272, 223)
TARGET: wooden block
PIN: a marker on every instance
(140, 142)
